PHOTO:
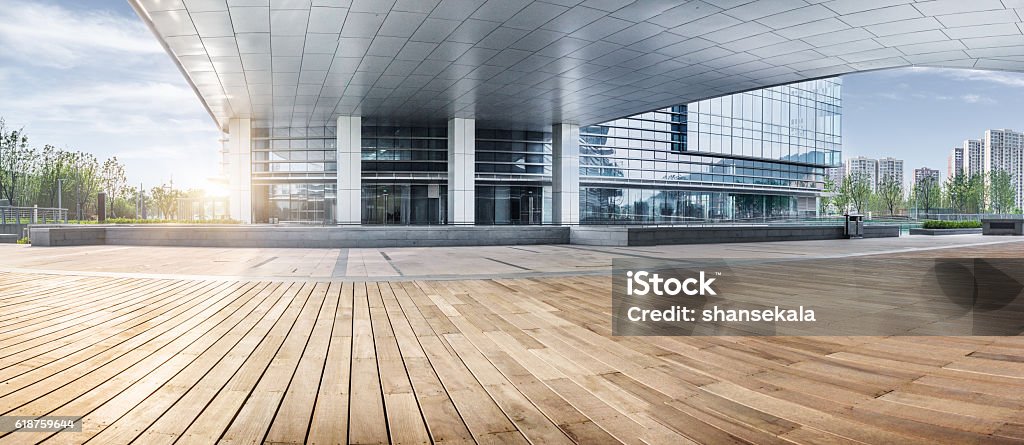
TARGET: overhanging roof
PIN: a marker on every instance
(533, 63)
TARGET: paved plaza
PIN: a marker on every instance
(461, 345)
(428, 263)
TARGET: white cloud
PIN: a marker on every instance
(154, 152)
(129, 108)
(977, 99)
(1001, 78)
(96, 80)
(998, 77)
(48, 35)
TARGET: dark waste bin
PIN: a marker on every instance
(854, 226)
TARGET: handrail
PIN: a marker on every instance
(32, 215)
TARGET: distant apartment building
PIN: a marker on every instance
(955, 163)
(972, 157)
(1004, 150)
(890, 167)
(924, 173)
(862, 165)
(836, 174)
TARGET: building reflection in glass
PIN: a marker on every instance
(748, 156)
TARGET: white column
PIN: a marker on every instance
(461, 171)
(350, 169)
(240, 170)
(565, 174)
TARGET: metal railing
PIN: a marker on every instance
(968, 216)
(32, 215)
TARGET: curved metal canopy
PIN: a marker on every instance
(533, 63)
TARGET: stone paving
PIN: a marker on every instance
(430, 262)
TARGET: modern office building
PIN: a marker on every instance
(925, 173)
(861, 166)
(750, 155)
(955, 163)
(1004, 150)
(493, 111)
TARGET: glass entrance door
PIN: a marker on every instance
(530, 206)
(403, 203)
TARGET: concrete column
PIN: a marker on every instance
(461, 171)
(240, 170)
(350, 169)
(565, 174)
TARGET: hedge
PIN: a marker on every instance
(932, 224)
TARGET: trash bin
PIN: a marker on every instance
(854, 226)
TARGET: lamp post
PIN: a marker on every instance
(60, 200)
(138, 202)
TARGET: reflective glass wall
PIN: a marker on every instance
(405, 174)
(760, 154)
(513, 177)
(294, 174)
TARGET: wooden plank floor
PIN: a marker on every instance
(472, 361)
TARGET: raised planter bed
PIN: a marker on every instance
(1003, 226)
(944, 231)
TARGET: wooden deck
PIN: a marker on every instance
(476, 361)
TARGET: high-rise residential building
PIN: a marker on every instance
(1004, 150)
(890, 167)
(836, 174)
(862, 166)
(924, 173)
(972, 157)
(955, 163)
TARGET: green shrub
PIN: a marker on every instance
(158, 221)
(169, 221)
(24, 240)
(931, 224)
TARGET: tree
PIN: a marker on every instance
(976, 194)
(113, 181)
(15, 157)
(927, 193)
(1001, 191)
(44, 177)
(831, 199)
(890, 193)
(966, 194)
(957, 193)
(856, 190)
(166, 200)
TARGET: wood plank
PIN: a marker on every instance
(466, 361)
(367, 420)
(330, 413)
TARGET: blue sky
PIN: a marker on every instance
(88, 75)
(920, 114)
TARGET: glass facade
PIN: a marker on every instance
(405, 174)
(294, 174)
(754, 155)
(404, 203)
(513, 177)
(623, 205)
